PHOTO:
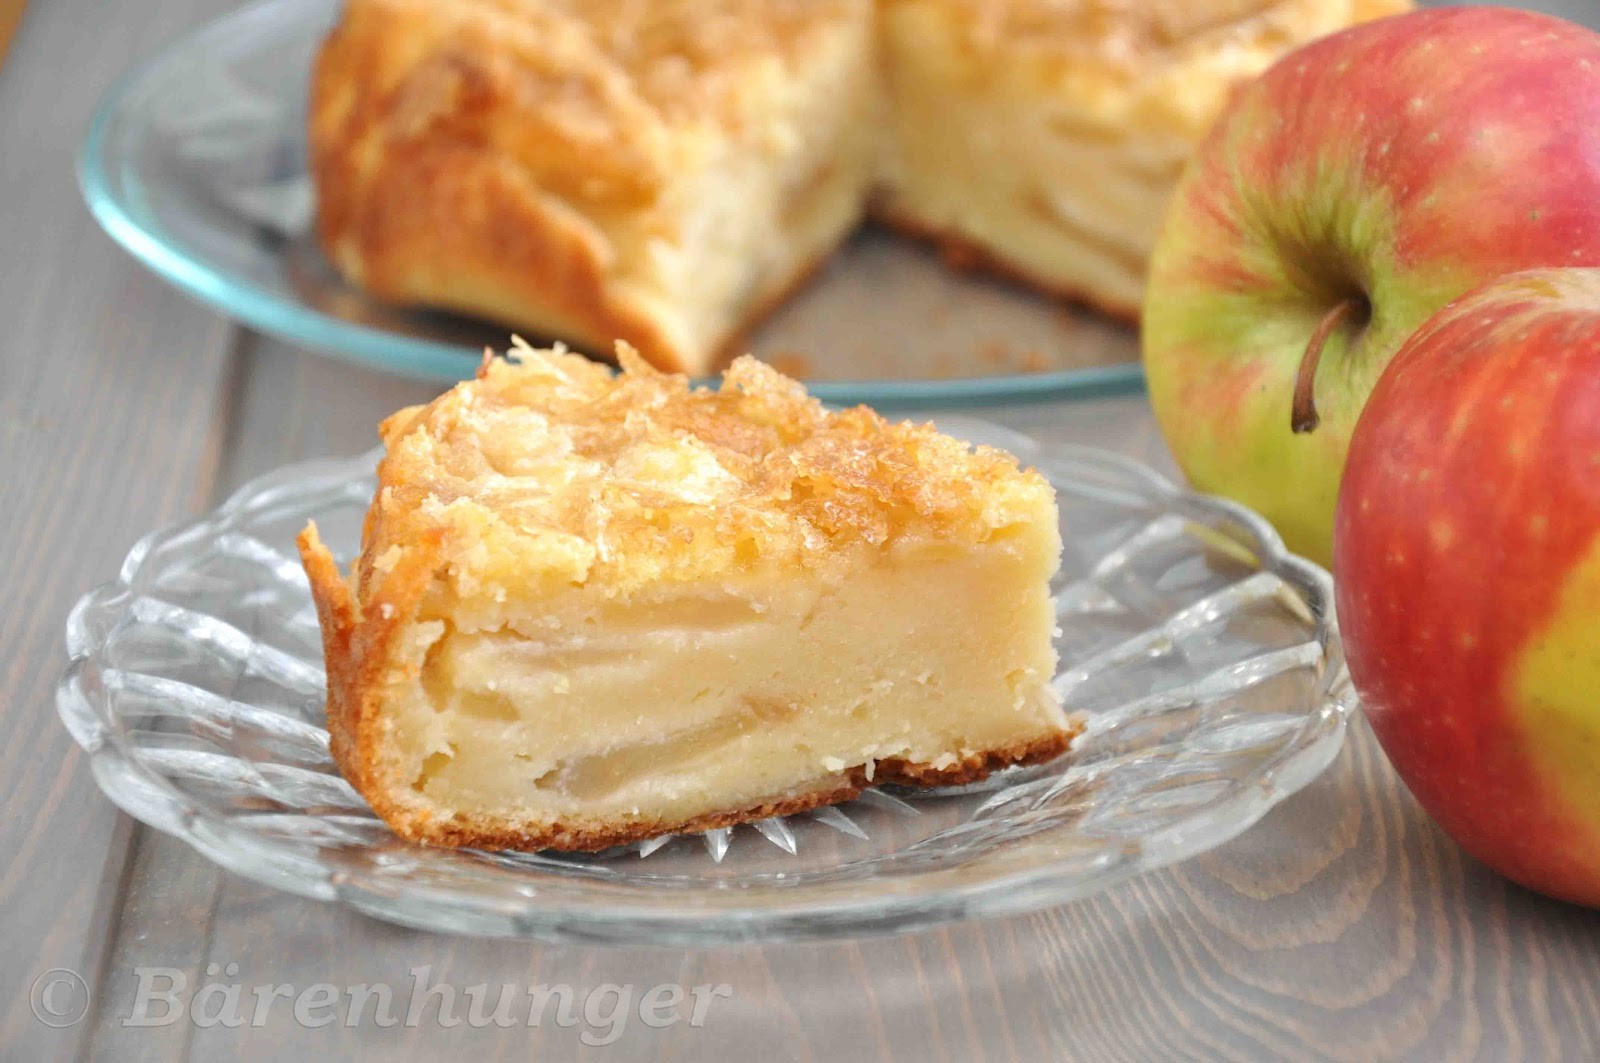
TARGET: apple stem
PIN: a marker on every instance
(1303, 416)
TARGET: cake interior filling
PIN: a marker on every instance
(732, 697)
(1091, 234)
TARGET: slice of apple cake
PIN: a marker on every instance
(591, 608)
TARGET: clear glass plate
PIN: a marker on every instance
(1203, 657)
(196, 163)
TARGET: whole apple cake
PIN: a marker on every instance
(590, 609)
(665, 172)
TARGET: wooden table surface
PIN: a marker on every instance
(1344, 926)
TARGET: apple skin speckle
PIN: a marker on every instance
(1496, 728)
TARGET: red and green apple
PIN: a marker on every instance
(1467, 547)
(1360, 184)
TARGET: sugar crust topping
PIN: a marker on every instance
(557, 471)
(590, 97)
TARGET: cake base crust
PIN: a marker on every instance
(486, 834)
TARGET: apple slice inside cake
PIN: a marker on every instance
(592, 608)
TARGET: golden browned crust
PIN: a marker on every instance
(653, 479)
(475, 155)
(414, 204)
(336, 615)
(357, 645)
(479, 241)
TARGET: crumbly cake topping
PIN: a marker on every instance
(584, 94)
(557, 470)
(591, 98)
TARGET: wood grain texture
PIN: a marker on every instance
(1344, 926)
(108, 389)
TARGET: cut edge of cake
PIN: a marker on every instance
(376, 658)
(683, 181)
(675, 220)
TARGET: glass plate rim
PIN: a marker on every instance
(241, 300)
(683, 918)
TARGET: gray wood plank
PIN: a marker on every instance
(108, 386)
(1345, 926)
(287, 405)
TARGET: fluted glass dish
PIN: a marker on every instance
(1203, 657)
(196, 163)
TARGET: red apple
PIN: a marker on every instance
(1467, 547)
(1386, 169)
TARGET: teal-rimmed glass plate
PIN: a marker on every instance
(196, 163)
